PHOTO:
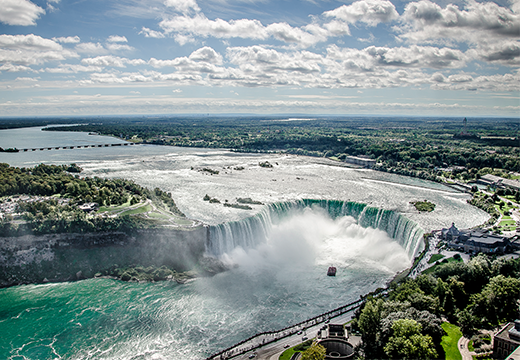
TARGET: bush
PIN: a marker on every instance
(424, 206)
(303, 346)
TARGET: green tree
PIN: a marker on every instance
(314, 352)
(498, 301)
(467, 322)
(369, 323)
(407, 342)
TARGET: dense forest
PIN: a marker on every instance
(406, 322)
(51, 185)
(426, 148)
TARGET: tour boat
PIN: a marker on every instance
(331, 271)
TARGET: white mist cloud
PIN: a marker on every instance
(311, 238)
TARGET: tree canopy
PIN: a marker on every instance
(314, 352)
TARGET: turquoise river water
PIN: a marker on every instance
(275, 281)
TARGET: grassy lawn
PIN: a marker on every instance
(114, 208)
(470, 346)
(510, 197)
(432, 269)
(449, 341)
(507, 225)
(159, 216)
(507, 221)
(139, 210)
(286, 355)
(435, 257)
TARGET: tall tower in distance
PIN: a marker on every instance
(464, 134)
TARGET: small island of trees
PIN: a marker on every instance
(424, 206)
(53, 195)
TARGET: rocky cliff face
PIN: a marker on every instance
(67, 257)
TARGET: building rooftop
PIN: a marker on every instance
(505, 333)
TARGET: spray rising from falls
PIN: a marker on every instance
(252, 232)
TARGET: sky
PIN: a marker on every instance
(366, 57)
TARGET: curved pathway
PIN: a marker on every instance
(463, 345)
(463, 348)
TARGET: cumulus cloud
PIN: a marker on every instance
(19, 12)
(117, 39)
(506, 52)
(206, 54)
(111, 61)
(202, 26)
(119, 47)
(67, 40)
(203, 60)
(28, 42)
(337, 28)
(491, 31)
(73, 69)
(25, 79)
(425, 20)
(185, 28)
(259, 60)
(183, 6)
(15, 68)
(91, 48)
(117, 78)
(370, 12)
(31, 49)
(51, 4)
(151, 33)
(258, 66)
(309, 35)
(414, 56)
(186, 65)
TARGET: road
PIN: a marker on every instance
(273, 350)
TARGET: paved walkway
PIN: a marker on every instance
(273, 350)
(463, 345)
(463, 348)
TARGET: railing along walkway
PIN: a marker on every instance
(264, 338)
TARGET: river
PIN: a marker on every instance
(278, 281)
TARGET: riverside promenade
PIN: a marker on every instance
(273, 341)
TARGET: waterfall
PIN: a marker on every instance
(252, 231)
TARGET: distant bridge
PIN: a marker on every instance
(74, 147)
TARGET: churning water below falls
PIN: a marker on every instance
(281, 251)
